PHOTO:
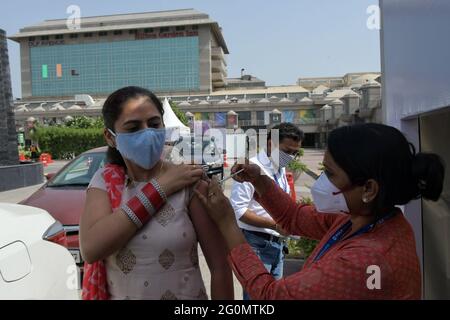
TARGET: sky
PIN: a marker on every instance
(277, 41)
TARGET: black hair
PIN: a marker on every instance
(380, 152)
(287, 130)
(112, 109)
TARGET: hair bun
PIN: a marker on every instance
(428, 172)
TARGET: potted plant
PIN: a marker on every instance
(296, 166)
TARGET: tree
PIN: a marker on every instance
(98, 123)
(180, 115)
(81, 122)
(84, 122)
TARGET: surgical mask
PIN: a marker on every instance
(143, 147)
(284, 159)
(327, 198)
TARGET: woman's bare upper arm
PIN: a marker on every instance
(97, 206)
(208, 234)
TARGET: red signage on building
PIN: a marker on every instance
(174, 34)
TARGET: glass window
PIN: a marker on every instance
(244, 115)
(148, 30)
(194, 27)
(44, 38)
(73, 36)
(256, 96)
(88, 35)
(298, 95)
(80, 171)
(132, 31)
(170, 64)
(117, 32)
(103, 34)
(276, 95)
(180, 28)
(31, 38)
(59, 36)
(260, 115)
(164, 29)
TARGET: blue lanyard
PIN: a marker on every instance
(276, 181)
(342, 230)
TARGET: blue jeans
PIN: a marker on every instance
(270, 253)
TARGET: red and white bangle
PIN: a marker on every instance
(145, 204)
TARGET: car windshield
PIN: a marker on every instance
(80, 171)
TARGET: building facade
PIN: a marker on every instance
(180, 51)
(180, 55)
(315, 113)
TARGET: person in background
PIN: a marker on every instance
(367, 248)
(34, 152)
(262, 233)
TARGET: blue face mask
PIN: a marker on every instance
(143, 147)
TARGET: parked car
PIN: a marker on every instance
(34, 264)
(64, 194)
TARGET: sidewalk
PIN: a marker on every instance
(17, 195)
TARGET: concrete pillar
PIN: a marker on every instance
(9, 154)
(253, 117)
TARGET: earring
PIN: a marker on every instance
(365, 200)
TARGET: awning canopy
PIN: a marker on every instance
(175, 128)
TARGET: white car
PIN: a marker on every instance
(33, 263)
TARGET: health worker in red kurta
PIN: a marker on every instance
(367, 248)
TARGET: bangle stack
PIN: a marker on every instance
(145, 204)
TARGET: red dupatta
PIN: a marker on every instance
(95, 286)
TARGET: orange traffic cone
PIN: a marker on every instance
(44, 159)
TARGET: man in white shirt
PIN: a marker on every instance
(262, 233)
